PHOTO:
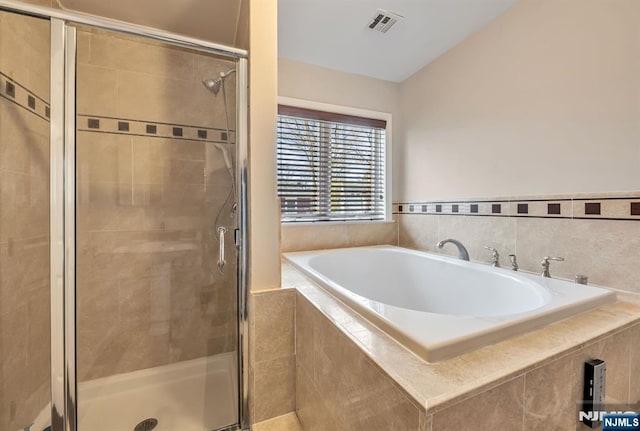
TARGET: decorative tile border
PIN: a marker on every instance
(151, 129)
(14, 92)
(596, 206)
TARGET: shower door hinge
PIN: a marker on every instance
(236, 237)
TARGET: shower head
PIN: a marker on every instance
(214, 84)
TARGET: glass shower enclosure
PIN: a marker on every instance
(122, 227)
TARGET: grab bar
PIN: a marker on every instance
(221, 260)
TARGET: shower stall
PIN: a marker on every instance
(123, 220)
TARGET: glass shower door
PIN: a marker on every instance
(25, 303)
(156, 302)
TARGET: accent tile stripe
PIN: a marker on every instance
(16, 93)
(598, 207)
(122, 126)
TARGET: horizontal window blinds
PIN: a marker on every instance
(330, 166)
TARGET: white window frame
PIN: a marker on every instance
(357, 112)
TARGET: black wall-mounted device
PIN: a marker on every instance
(594, 389)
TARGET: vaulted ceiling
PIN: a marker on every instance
(334, 33)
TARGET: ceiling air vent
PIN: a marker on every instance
(382, 20)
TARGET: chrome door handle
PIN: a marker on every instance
(221, 259)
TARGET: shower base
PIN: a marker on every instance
(195, 395)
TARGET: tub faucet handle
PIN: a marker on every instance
(545, 264)
(514, 262)
(495, 255)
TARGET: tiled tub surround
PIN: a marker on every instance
(24, 220)
(605, 246)
(348, 372)
(319, 236)
(272, 353)
(150, 181)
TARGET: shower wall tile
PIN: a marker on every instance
(24, 212)
(25, 52)
(147, 202)
(143, 80)
(163, 100)
(24, 220)
(24, 147)
(98, 307)
(24, 270)
(98, 95)
(83, 48)
(337, 235)
(104, 158)
(121, 52)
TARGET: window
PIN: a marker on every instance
(331, 167)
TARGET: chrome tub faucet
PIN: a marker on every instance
(463, 254)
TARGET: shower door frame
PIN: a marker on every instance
(63, 197)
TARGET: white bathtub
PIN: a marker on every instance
(440, 307)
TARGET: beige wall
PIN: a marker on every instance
(318, 84)
(24, 220)
(544, 99)
(265, 217)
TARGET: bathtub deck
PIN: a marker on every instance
(435, 386)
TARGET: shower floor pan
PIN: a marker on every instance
(195, 395)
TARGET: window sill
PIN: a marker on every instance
(334, 223)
